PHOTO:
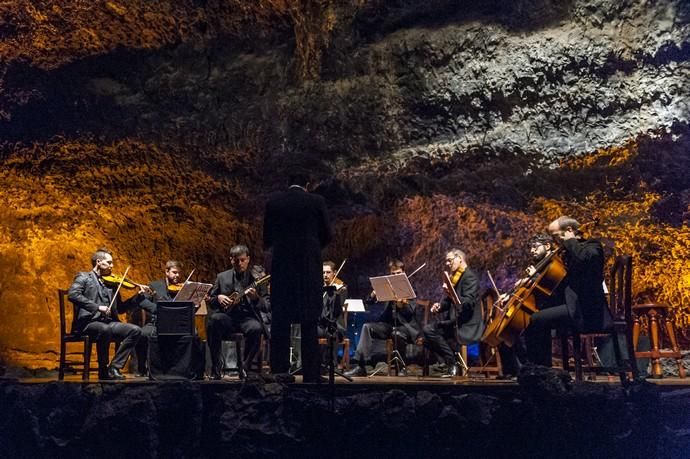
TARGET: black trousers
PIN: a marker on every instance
(106, 332)
(380, 330)
(309, 347)
(220, 325)
(141, 350)
(436, 339)
(538, 333)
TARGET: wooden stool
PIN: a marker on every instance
(656, 313)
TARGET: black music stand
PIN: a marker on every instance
(173, 351)
(175, 318)
(395, 287)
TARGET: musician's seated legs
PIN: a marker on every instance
(251, 329)
(100, 333)
(142, 347)
(128, 335)
(370, 332)
(538, 333)
(436, 339)
(218, 325)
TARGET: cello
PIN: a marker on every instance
(514, 317)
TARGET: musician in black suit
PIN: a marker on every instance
(227, 316)
(584, 306)
(461, 322)
(333, 305)
(296, 228)
(96, 314)
(160, 292)
(399, 314)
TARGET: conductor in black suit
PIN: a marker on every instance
(296, 228)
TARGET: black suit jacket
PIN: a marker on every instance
(87, 293)
(584, 285)
(296, 228)
(229, 282)
(469, 314)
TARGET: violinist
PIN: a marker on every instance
(583, 305)
(398, 314)
(335, 294)
(462, 322)
(241, 315)
(96, 314)
(162, 290)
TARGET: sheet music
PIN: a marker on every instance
(354, 305)
(395, 287)
(194, 292)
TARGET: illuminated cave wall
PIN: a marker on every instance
(158, 128)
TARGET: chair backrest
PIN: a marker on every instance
(620, 288)
(486, 301)
(620, 303)
(62, 300)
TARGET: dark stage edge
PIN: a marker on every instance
(545, 414)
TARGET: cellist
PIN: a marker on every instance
(463, 321)
(540, 245)
(583, 306)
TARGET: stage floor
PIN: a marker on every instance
(377, 380)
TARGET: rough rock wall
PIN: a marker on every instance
(158, 129)
(545, 417)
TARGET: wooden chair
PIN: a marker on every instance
(489, 357)
(345, 343)
(656, 315)
(620, 305)
(70, 338)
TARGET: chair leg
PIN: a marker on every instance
(61, 368)
(346, 354)
(87, 358)
(671, 332)
(565, 354)
(240, 356)
(577, 356)
(619, 359)
(389, 355)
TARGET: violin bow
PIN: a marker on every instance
(336, 275)
(491, 309)
(185, 283)
(117, 291)
(417, 270)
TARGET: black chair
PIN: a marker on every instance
(70, 337)
(620, 305)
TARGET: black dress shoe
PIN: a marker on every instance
(356, 371)
(114, 373)
(453, 371)
(103, 375)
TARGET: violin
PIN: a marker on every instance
(126, 283)
(175, 287)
